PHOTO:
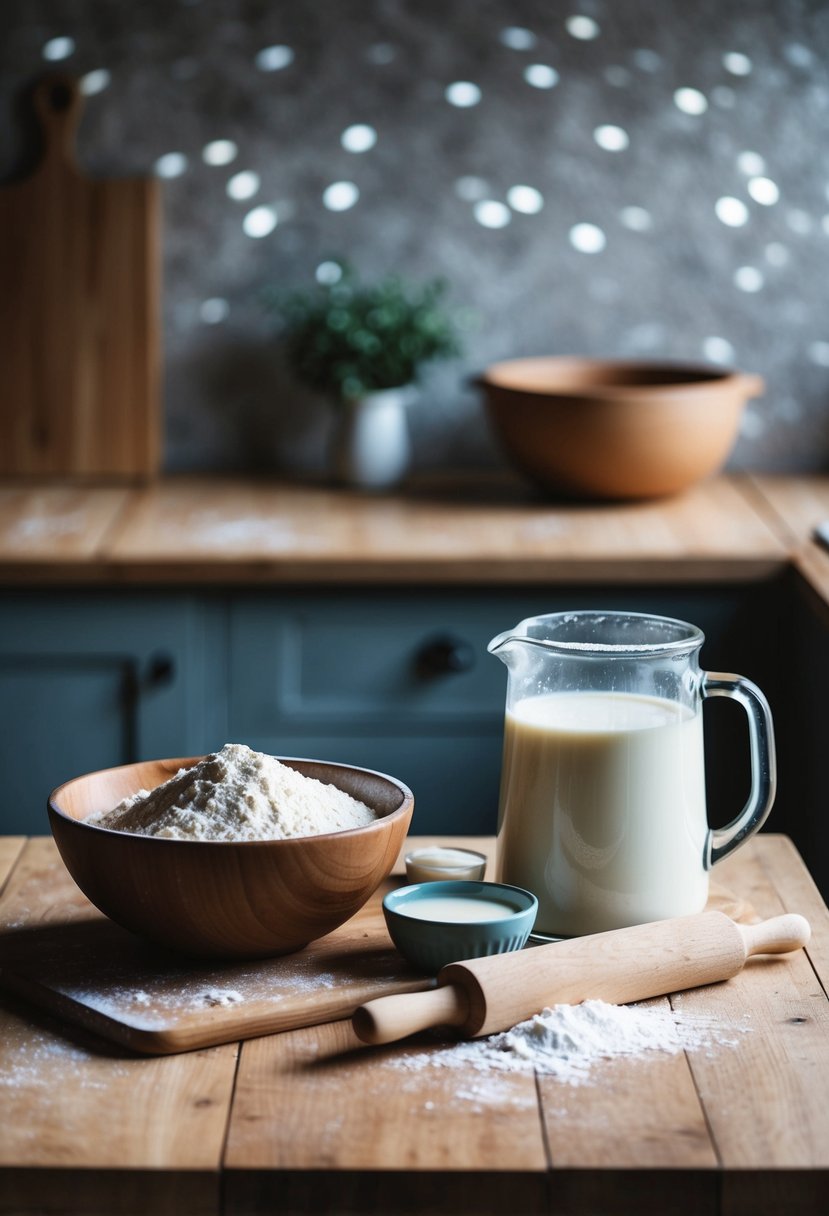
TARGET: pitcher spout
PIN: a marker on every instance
(504, 646)
(511, 647)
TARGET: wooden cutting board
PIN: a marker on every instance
(93, 973)
(79, 311)
(59, 953)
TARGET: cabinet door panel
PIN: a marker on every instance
(417, 656)
(336, 679)
(89, 681)
(65, 716)
(454, 779)
(313, 661)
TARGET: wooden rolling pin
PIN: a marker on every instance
(484, 995)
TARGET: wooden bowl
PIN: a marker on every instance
(228, 899)
(593, 428)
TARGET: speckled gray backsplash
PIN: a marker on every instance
(633, 178)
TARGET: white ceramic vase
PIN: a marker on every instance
(370, 447)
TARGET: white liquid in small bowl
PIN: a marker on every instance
(455, 908)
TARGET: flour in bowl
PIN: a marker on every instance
(237, 794)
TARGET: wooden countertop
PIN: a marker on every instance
(451, 530)
(309, 1121)
(794, 507)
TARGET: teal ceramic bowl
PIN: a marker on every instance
(435, 923)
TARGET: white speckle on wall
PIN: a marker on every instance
(587, 238)
(219, 152)
(541, 76)
(171, 164)
(340, 196)
(259, 222)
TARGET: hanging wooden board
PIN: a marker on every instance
(79, 312)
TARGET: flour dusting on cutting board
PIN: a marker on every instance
(568, 1041)
(156, 998)
(210, 998)
(237, 794)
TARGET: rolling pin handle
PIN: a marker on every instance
(778, 935)
(389, 1018)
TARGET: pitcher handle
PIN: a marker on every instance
(763, 763)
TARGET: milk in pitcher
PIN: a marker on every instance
(602, 812)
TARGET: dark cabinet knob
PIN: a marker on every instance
(444, 655)
(161, 671)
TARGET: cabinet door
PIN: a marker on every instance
(398, 681)
(307, 663)
(454, 778)
(87, 682)
(401, 681)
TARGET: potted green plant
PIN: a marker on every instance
(362, 345)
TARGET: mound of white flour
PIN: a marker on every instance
(237, 794)
(568, 1041)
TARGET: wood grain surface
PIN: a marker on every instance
(450, 530)
(10, 849)
(317, 1123)
(60, 954)
(79, 313)
(794, 506)
(45, 522)
(88, 971)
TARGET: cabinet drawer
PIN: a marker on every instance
(392, 661)
(359, 660)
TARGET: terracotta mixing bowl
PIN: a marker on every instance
(593, 428)
(228, 899)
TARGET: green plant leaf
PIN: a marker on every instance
(349, 338)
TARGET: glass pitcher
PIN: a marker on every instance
(602, 809)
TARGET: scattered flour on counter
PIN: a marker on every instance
(44, 1060)
(37, 528)
(272, 534)
(567, 1041)
(237, 794)
(221, 996)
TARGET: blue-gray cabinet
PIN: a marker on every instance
(92, 680)
(396, 679)
(400, 680)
